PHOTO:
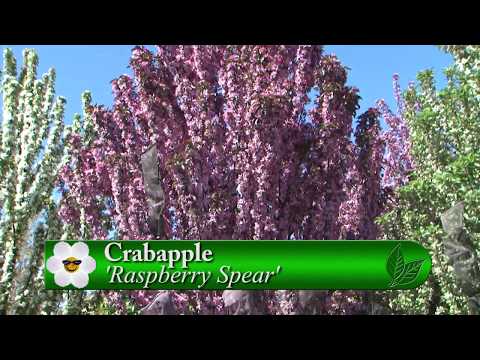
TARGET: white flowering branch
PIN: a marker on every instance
(31, 151)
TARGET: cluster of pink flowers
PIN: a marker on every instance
(239, 156)
(398, 162)
(365, 199)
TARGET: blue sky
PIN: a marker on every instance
(92, 67)
(372, 67)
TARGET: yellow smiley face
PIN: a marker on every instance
(71, 264)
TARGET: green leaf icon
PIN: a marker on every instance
(402, 273)
(396, 265)
(411, 271)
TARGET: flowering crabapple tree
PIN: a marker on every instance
(442, 155)
(253, 142)
(31, 150)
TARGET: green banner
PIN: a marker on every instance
(236, 264)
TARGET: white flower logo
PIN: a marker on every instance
(71, 264)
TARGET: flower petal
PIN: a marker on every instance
(88, 265)
(80, 250)
(62, 278)
(54, 264)
(62, 250)
(79, 279)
